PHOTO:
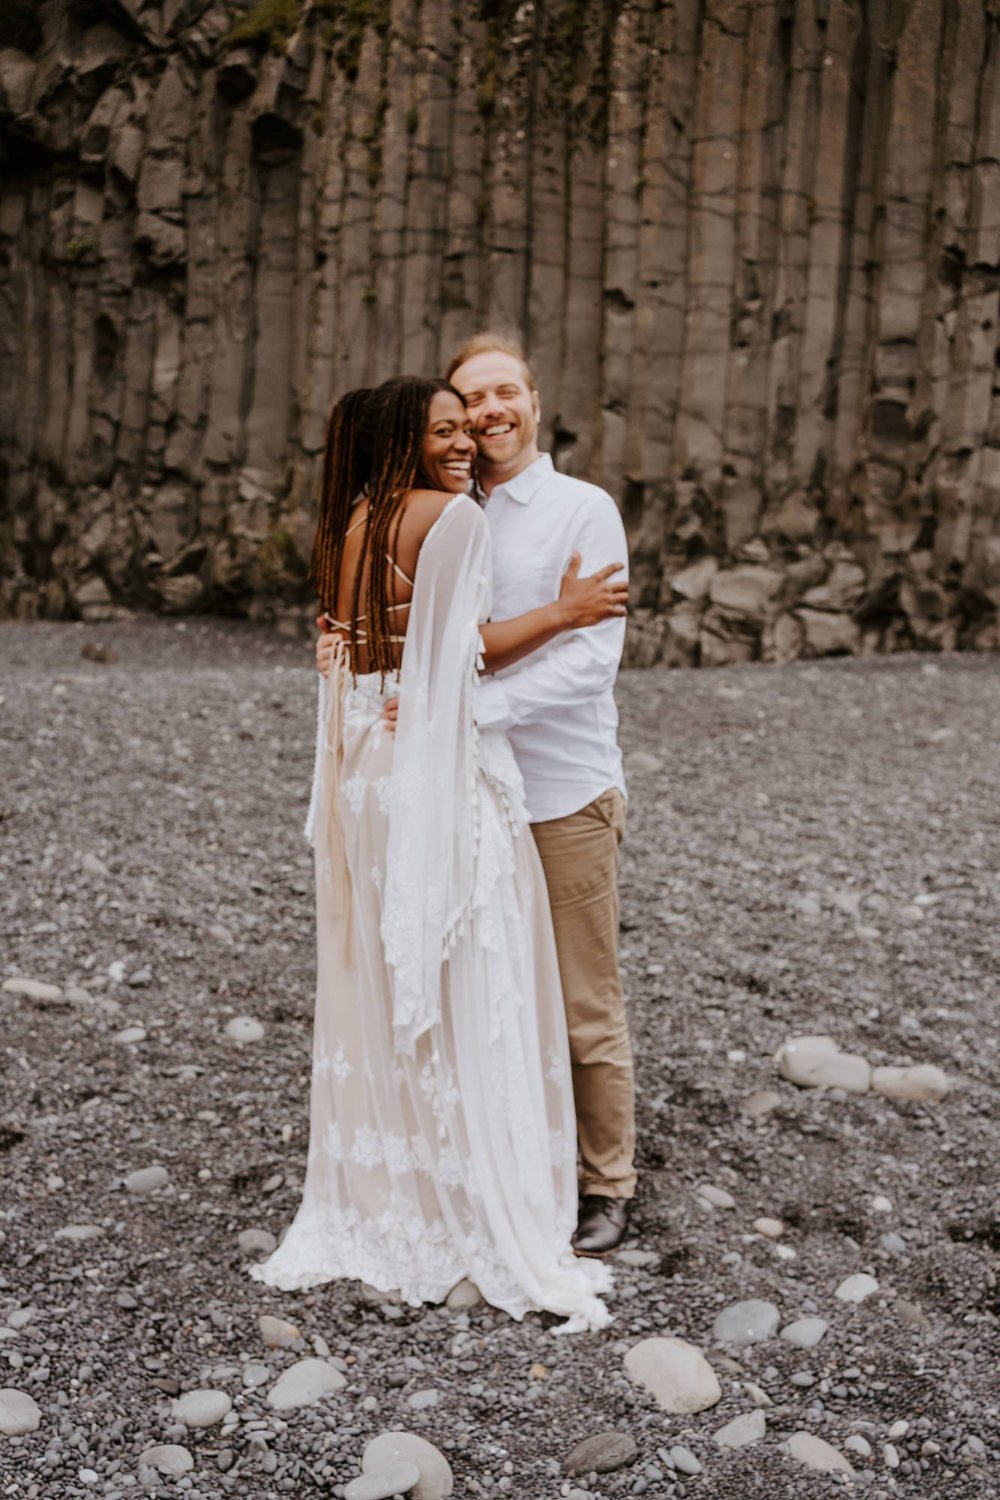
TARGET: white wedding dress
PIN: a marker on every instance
(442, 1129)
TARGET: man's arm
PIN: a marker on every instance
(576, 669)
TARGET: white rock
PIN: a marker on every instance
(18, 1412)
(397, 1478)
(168, 1458)
(202, 1408)
(716, 1196)
(79, 1232)
(675, 1373)
(684, 1460)
(256, 1241)
(276, 1333)
(147, 1180)
(244, 1029)
(804, 1333)
(130, 1034)
(785, 1252)
(898, 1430)
(21, 1317)
(890, 1456)
(924, 1083)
(760, 1103)
(463, 1295)
(303, 1384)
(856, 1288)
(757, 1396)
(816, 1062)
(255, 1372)
(748, 1428)
(748, 1322)
(816, 1454)
(32, 989)
(859, 1445)
(436, 1481)
(879, 1204)
(639, 1258)
(772, 1228)
(94, 865)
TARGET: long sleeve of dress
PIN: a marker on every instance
(430, 862)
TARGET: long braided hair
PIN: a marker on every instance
(373, 444)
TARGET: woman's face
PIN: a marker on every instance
(448, 450)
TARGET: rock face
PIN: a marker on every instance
(775, 349)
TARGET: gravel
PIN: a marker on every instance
(811, 852)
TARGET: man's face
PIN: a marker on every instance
(503, 408)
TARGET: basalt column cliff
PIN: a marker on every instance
(753, 247)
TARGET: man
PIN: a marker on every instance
(558, 708)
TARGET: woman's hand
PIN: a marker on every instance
(588, 601)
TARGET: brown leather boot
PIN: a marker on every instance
(601, 1225)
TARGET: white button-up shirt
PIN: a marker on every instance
(557, 704)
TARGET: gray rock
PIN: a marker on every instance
(743, 1430)
(859, 1445)
(79, 1232)
(19, 1414)
(804, 1333)
(924, 1083)
(130, 1034)
(814, 1453)
(244, 1029)
(255, 1373)
(676, 1374)
(202, 1408)
(167, 1458)
(817, 1062)
(856, 1288)
(436, 1481)
(760, 1103)
(256, 1241)
(601, 1453)
(641, 763)
(748, 1322)
(893, 1243)
(716, 1196)
(147, 1180)
(140, 978)
(303, 1384)
(684, 1460)
(772, 1229)
(911, 1314)
(92, 864)
(423, 1400)
(463, 1295)
(397, 1478)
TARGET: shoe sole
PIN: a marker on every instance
(594, 1254)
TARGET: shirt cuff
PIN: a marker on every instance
(491, 710)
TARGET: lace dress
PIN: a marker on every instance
(442, 1129)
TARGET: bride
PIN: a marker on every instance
(442, 1129)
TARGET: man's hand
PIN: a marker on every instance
(324, 652)
(390, 713)
(588, 601)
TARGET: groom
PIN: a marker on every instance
(558, 709)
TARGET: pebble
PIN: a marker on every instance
(924, 1083)
(641, 763)
(255, 1373)
(748, 1322)
(643, 1259)
(601, 1453)
(890, 1456)
(130, 1034)
(397, 1478)
(244, 1029)
(858, 1444)
(32, 989)
(463, 1295)
(202, 1408)
(817, 1454)
(898, 1430)
(256, 1241)
(168, 1458)
(303, 1384)
(276, 1333)
(758, 1396)
(94, 865)
(717, 1197)
(436, 1481)
(804, 1333)
(772, 1228)
(147, 1180)
(817, 1062)
(882, 1205)
(893, 1243)
(911, 1315)
(675, 1373)
(856, 1288)
(79, 1232)
(742, 1430)
(18, 1412)
(684, 1460)
(422, 1400)
(140, 978)
(760, 1103)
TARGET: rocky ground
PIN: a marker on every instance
(812, 849)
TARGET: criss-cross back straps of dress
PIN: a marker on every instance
(359, 620)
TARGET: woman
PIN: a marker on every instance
(442, 1132)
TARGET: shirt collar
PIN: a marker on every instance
(524, 485)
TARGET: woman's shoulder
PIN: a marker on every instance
(425, 508)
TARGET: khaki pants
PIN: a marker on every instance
(580, 858)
